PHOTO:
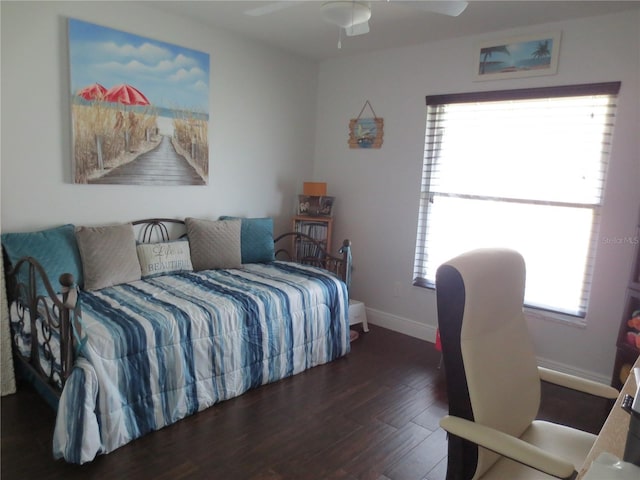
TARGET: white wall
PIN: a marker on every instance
(377, 190)
(261, 128)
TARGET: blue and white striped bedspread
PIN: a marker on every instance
(163, 348)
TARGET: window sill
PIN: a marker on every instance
(561, 318)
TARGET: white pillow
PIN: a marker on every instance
(165, 257)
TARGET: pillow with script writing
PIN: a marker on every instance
(163, 258)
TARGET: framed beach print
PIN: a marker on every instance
(517, 57)
(139, 109)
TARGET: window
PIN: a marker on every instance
(522, 169)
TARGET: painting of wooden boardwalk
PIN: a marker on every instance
(139, 109)
(161, 166)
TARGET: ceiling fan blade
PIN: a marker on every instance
(358, 29)
(450, 8)
(270, 7)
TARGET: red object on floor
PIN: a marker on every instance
(438, 344)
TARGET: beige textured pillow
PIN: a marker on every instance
(165, 257)
(214, 243)
(108, 255)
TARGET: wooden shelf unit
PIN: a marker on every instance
(627, 353)
(319, 228)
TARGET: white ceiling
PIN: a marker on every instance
(300, 28)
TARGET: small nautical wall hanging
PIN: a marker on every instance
(366, 132)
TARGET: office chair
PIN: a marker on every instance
(493, 381)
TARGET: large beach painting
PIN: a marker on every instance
(139, 108)
(518, 57)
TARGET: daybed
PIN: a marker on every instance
(157, 329)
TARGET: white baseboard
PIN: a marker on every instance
(428, 333)
(402, 325)
(571, 370)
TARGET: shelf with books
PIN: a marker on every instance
(318, 228)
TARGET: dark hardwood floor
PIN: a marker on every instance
(371, 415)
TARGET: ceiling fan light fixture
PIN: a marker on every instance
(346, 14)
(358, 29)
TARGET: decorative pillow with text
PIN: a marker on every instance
(163, 258)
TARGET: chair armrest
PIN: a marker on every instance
(508, 446)
(577, 383)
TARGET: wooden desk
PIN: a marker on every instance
(613, 435)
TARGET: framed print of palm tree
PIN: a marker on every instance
(516, 57)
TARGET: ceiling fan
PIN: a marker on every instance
(352, 16)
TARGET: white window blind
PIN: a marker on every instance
(523, 169)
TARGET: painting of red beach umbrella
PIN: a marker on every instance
(93, 92)
(125, 95)
(139, 109)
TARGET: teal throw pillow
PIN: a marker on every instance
(256, 239)
(55, 249)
